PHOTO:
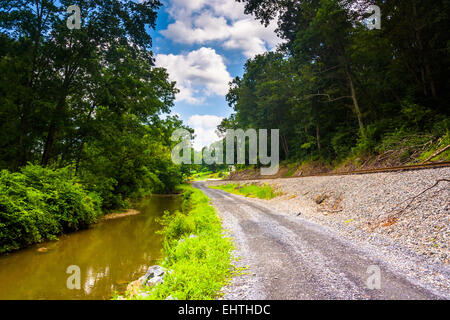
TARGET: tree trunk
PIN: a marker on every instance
(424, 82)
(285, 146)
(355, 100)
(425, 68)
(52, 129)
(430, 77)
(80, 152)
(318, 137)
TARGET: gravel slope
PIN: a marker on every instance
(415, 247)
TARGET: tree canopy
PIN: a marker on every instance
(89, 98)
(335, 88)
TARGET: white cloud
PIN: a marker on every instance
(205, 129)
(202, 21)
(198, 74)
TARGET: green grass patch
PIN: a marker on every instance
(202, 176)
(199, 265)
(292, 168)
(250, 190)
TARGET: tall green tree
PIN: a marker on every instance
(342, 87)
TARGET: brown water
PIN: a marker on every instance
(109, 254)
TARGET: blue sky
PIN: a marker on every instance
(204, 44)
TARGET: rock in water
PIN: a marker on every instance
(154, 276)
(154, 271)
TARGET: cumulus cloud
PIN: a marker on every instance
(203, 21)
(205, 130)
(198, 74)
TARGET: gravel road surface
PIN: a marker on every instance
(290, 257)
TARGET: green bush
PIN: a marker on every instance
(342, 142)
(366, 142)
(38, 204)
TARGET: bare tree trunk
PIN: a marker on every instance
(432, 84)
(49, 142)
(355, 100)
(424, 81)
(285, 146)
(318, 137)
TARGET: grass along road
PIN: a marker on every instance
(263, 191)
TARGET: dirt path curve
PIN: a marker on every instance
(292, 258)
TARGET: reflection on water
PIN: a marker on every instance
(110, 255)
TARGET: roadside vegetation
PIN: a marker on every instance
(197, 253)
(206, 175)
(250, 190)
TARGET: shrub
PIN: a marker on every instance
(38, 204)
(366, 142)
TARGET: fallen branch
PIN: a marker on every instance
(434, 155)
(393, 218)
(418, 195)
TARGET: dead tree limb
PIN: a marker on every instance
(434, 155)
(418, 195)
(393, 218)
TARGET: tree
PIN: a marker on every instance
(341, 86)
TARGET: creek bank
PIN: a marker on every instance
(197, 253)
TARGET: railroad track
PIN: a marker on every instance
(364, 171)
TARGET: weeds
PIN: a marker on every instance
(250, 190)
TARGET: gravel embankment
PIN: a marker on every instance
(357, 207)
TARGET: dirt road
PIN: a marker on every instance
(293, 258)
